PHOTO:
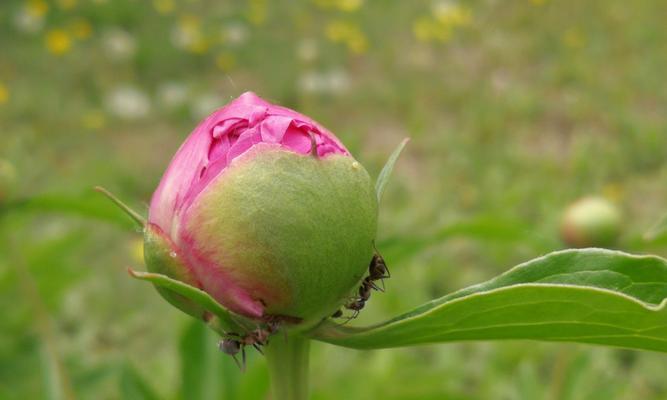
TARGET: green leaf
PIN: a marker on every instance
(201, 372)
(588, 296)
(87, 205)
(383, 178)
(55, 381)
(225, 321)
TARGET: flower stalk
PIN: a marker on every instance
(288, 360)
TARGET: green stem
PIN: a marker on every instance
(288, 367)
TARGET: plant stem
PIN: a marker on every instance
(288, 367)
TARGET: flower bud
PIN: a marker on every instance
(591, 222)
(266, 211)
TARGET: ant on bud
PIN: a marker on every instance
(234, 343)
(356, 306)
(364, 294)
(377, 271)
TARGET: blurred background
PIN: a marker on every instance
(515, 108)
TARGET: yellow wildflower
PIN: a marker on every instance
(343, 5)
(94, 120)
(199, 46)
(423, 29)
(349, 5)
(357, 44)
(440, 26)
(4, 93)
(189, 23)
(225, 61)
(573, 38)
(349, 34)
(164, 6)
(336, 31)
(36, 8)
(452, 15)
(257, 11)
(189, 35)
(58, 41)
(66, 4)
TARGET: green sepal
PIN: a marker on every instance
(383, 178)
(161, 257)
(220, 319)
(135, 216)
(172, 279)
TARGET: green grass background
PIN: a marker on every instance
(515, 109)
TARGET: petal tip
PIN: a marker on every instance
(251, 98)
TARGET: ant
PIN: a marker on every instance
(359, 302)
(235, 343)
(377, 270)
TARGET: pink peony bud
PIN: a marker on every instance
(266, 211)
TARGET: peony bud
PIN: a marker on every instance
(590, 222)
(266, 211)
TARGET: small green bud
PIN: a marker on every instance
(591, 222)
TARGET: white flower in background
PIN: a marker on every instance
(443, 7)
(28, 22)
(235, 34)
(451, 13)
(311, 82)
(335, 81)
(338, 80)
(187, 34)
(127, 102)
(119, 44)
(205, 104)
(307, 50)
(172, 94)
(182, 38)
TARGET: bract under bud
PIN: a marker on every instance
(591, 222)
(266, 211)
(161, 257)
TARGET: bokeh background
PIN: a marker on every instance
(515, 108)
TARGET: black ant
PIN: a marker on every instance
(235, 343)
(356, 306)
(358, 303)
(377, 270)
